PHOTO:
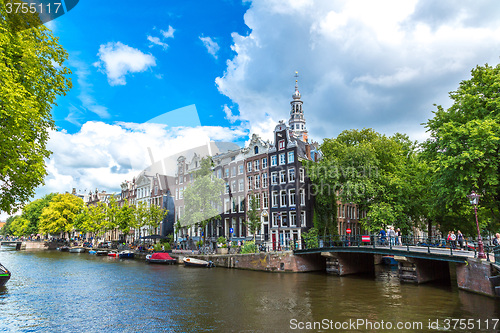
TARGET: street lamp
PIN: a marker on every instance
(474, 200)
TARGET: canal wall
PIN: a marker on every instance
(475, 276)
(284, 261)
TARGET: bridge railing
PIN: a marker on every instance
(400, 243)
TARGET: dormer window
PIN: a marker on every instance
(256, 150)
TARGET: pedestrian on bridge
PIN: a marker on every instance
(392, 236)
(453, 239)
(382, 234)
(460, 239)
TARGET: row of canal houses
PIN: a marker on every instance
(272, 172)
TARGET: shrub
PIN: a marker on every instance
(249, 247)
(311, 238)
(221, 240)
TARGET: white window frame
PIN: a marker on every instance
(241, 169)
(292, 222)
(275, 199)
(301, 175)
(302, 219)
(291, 197)
(249, 166)
(250, 182)
(283, 196)
(257, 181)
(282, 159)
(256, 165)
(291, 156)
(274, 178)
(274, 160)
(264, 163)
(302, 194)
(265, 200)
(282, 176)
(291, 175)
(264, 180)
(241, 185)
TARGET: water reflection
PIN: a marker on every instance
(74, 292)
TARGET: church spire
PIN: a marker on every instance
(297, 121)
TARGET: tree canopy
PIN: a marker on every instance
(463, 150)
(32, 75)
(59, 216)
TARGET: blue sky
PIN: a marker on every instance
(361, 63)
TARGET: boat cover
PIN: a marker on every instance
(161, 256)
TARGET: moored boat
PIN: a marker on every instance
(113, 254)
(197, 262)
(63, 248)
(389, 260)
(4, 275)
(126, 254)
(160, 258)
(77, 249)
(101, 253)
(92, 252)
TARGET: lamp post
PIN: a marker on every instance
(474, 200)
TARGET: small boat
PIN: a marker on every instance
(92, 252)
(77, 249)
(113, 254)
(63, 248)
(160, 258)
(4, 275)
(101, 253)
(126, 254)
(389, 260)
(197, 262)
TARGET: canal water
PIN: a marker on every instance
(54, 291)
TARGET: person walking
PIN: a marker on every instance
(453, 239)
(460, 239)
(392, 236)
(382, 234)
(398, 234)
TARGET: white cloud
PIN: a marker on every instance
(117, 60)
(211, 45)
(157, 41)
(361, 63)
(103, 155)
(229, 115)
(169, 33)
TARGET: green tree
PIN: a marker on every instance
(463, 151)
(253, 217)
(202, 197)
(125, 218)
(140, 217)
(19, 226)
(59, 215)
(33, 211)
(32, 76)
(155, 216)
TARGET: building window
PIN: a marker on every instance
(226, 205)
(291, 175)
(257, 181)
(291, 157)
(301, 175)
(282, 177)
(293, 219)
(176, 194)
(219, 173)
(241, 201)
(240, 169)
(274, 199)
(257, 199)
(233, 186)
(250, 182)
(181, 193)
(302, 219)
(302, 193)
(249, 166)
(282, 159)
(256, 150)
(292, 197)
(283, 198)
(241, 185)
(265, 200)
(256, 165)
(264, 163)
(264, 180)
(227, 187)
(234, 209)
(233, 171)
(281, 144)
(275, 219)
(274, 160)
(274, 178)
(226, 172)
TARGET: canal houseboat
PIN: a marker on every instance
(4, 275)
(126, 254)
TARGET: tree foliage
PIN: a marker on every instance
(202, 197)
(253, 217)
(463, 150)
(59, 216)
(32, 75)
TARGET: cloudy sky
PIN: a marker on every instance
(361, 63)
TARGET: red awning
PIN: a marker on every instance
(161, 256)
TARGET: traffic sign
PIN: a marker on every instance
(231, 230)
(348, 230)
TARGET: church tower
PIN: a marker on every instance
(297, 121)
